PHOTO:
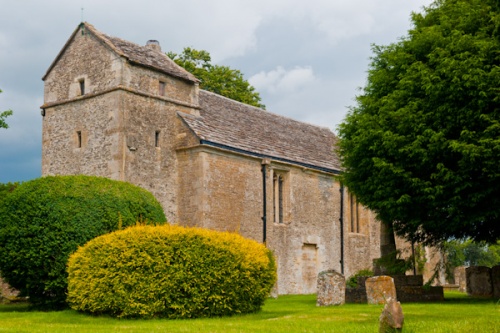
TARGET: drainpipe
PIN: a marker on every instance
(341, 219)
(264, 201)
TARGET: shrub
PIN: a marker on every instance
(44, 220)
(170, 272)
(7, 188)
(352, 282)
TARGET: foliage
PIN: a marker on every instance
(469, 253)
(4, 115)
(419, 259)
(6, 188)
(394, 264)
(352, 282)
(422, 146)
(221, 80)
(170, 271)
(44, 220)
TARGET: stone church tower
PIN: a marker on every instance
(119, 110)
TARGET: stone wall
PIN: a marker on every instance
(223, 190)
(85, 58)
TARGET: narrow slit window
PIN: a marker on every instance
(161, 88)
(79, 139)
(357, 217)
(280, 198)
(82, 86)
(157, 139)
(354, 210)
(278, 207)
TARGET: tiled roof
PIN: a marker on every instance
(137, 54)
(236, 126)
(148, 57)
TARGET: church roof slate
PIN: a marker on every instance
(236, 126)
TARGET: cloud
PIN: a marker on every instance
(279, 80)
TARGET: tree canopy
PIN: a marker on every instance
(221, 80)
(4, 115)
(421, 147)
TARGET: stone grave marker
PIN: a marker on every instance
(331, 288)
(379, 289)
(391, 319)
(479, 281)
(495, 281)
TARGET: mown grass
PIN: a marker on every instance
(288, 314)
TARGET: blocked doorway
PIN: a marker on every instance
(309, 268)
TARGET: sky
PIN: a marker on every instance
(307, 59)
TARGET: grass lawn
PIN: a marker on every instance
(288, 314)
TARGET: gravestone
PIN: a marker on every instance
(460, 279)
(391, 319)
(495, 281)
(479, 281)
(379, 289)
(331, 288)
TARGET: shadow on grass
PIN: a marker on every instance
(15, 307)
(462, 298)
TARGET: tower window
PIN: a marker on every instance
(161, 88)
(157, 139)
(79, 139)
(82, 86)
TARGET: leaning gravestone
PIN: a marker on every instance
(379, 289)
(391, 319)
(331, 288)
(459, 274)
(479, 281)
(495, 281)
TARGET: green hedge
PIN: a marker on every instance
(6, 189)
(44, 220)
(170, 272)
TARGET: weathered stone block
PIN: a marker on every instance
(407, 294)
(331, 288)
(379, 289)
(408, 280)
(495, 281)
(460, 279)
(391, 319)
(479, 281)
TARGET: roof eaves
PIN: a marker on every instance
(242, 151)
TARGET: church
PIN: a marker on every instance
(124, 111)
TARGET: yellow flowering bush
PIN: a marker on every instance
(170, 272)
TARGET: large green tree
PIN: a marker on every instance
(221, 80)
(4, 115)
(422, 146)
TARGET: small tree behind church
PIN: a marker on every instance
(218, 79)
(4, 115)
